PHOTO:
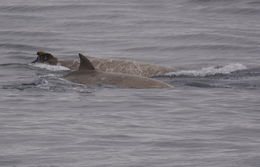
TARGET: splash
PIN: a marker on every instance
(50, 67)
(209, 71)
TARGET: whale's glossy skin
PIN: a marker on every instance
(108, 65)
(86, 74)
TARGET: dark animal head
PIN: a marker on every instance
(45, 57)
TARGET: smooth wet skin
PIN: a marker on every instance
(108, 65)
(88, 75)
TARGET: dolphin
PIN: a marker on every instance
(87, 74)
(107, 65)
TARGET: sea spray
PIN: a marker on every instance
(209, 71)
(50, 67)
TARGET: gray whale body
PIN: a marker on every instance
(87, 74)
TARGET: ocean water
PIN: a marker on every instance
(211, 118)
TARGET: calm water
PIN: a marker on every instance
(210, 119)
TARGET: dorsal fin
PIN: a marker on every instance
(85, 64)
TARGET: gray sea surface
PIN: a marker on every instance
(211, 118)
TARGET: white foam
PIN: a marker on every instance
(208, 71)
(50, 67)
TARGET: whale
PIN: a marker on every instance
(107, 65)
(87, 74)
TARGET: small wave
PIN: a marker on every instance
(50, 67)
(49, 83)
(39, 8)
(209, 71)
(27, 33)
(143, 49)
(22, 47)
(227, 10)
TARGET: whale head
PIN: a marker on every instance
(45, 57)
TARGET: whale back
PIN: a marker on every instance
(88, 75)
(105, 65)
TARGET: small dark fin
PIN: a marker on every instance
(85, 64)
(35, 60)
